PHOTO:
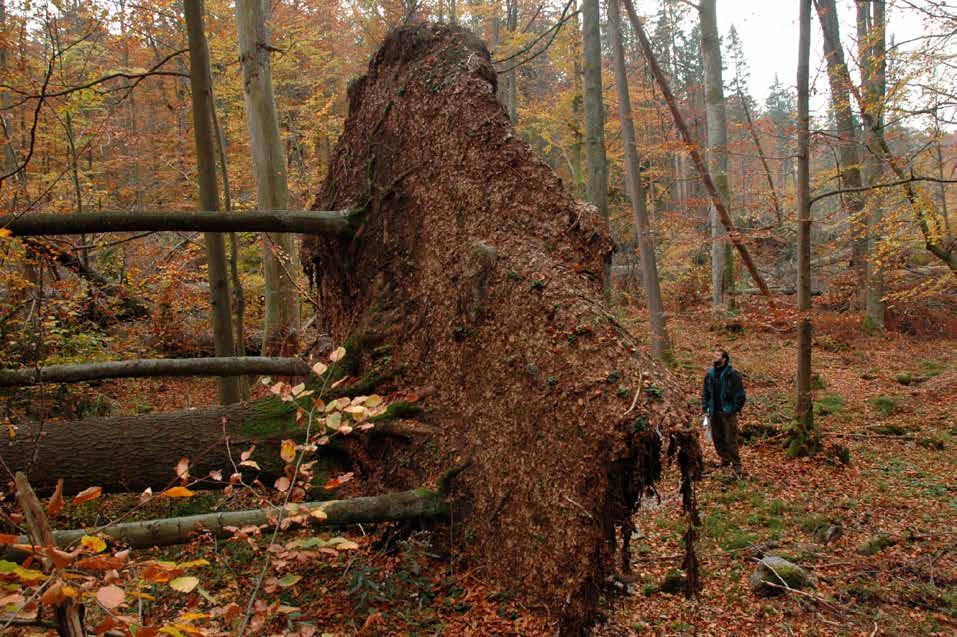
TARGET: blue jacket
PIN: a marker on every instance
(723, 390)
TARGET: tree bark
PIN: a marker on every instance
(733, 233)
(848, 152)
(389, 507)
(227, 366)
(660, 342)
(805, 438)
(221, 309)
(281, 321)
(722, 259)
(594, 108)
(595, 117)
(341, 223)
(871, 51)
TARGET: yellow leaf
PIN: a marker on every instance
(319, 514)
(5, 232)
(373, 401)
(192, 563)
(298, 389)
(184, 584)
(93, 544)
(334, 420)
(178, 492)
(319, 369)
(288, 450)
(338, 354)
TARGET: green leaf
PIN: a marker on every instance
(289, 580)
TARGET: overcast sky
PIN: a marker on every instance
(769, 35)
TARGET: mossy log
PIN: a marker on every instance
(404, 505)
(131, 453)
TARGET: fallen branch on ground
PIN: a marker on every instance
(149, 367)
(341, 223)
(404, 505)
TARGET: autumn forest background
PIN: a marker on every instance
(830, 281)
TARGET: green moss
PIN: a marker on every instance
(829, 404)
(884, 404)
(397, 410)
(876, 544)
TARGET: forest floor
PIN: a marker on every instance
(887, 400)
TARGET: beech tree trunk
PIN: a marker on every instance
(595, 117)
(221, 310)
(227, 366)
(281, 321)
(848, 149)
(722, 259)
(660, 342)
(338, 222)
(594, 107)
(805, 438)
(871, 51)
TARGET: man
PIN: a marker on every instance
(722, 397)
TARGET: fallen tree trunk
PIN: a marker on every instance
(131, 453)
(336, 223)
(405, 505)
(483, 277)
(222, 366)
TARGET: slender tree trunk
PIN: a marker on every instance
(722, 259)
(281, 327)
(577, 119)
(595, 117)
(872, 53)
(848, 150)
(229, 388)
(775, 200)
(660, 343)
(805, 434)
(733, 234)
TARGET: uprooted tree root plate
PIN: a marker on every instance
(481, 276)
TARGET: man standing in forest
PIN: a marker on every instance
(722, 397)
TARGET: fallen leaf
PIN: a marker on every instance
(338, 354)
(184, 584)
(111, 596)
(182, 469)
(90, 493)
(178, 492)
(56, 500)
(93, 543)
(339, 481)
(319, 369)
(289, 580)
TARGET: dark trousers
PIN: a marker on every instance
(724, 432)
